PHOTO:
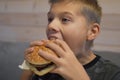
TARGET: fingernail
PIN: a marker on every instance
(31, 49)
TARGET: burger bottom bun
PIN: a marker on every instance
(43, 71)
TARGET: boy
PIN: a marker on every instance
(74, 24)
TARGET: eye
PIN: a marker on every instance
(65, 20)
(50, 19)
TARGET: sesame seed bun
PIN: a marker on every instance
(34, 60)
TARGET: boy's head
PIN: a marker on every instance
(90, 9)
(74, 21)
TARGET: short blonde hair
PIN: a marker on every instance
(91, 9)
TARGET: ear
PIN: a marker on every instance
(93, 31)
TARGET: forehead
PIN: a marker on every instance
(71, 7)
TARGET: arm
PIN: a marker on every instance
(26, 75)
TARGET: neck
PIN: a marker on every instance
(86, 58)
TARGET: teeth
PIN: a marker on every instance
(52, 38)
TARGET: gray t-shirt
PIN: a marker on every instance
(98, 69)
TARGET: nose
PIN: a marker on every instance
(53, 26)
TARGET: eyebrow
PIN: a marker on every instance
(62, 13)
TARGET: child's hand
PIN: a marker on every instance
(32, 44)
(67, 64)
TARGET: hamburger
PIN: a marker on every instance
(37, 63)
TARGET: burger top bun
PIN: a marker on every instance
(35, 58)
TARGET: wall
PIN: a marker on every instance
(22, 20)
(26, 20)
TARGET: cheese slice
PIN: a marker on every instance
(24, 66)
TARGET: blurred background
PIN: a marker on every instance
(23, 21)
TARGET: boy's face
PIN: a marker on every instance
(66, 23)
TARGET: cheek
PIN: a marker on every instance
(76, 39)
(73, 35)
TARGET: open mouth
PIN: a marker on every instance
(52, 37)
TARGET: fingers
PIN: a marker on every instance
(50, 57)
(29, 50)
(56, 70)
(59, 47)
(32, 44)
(38, 43)
(62, 44)
(56, 48)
